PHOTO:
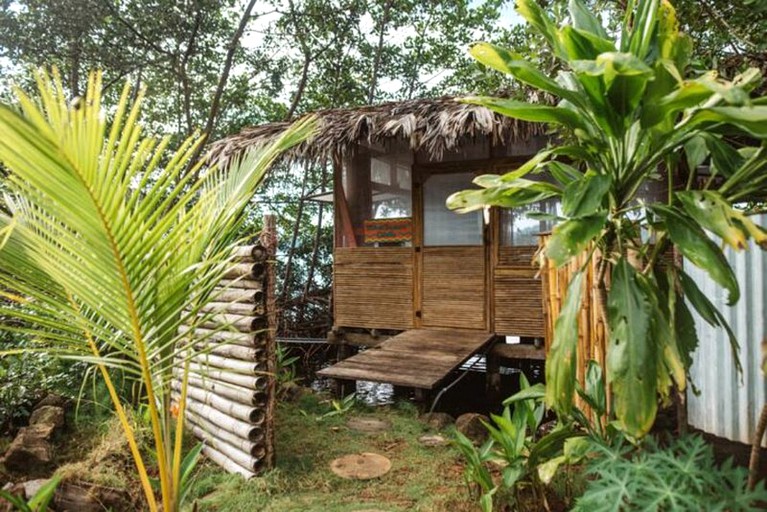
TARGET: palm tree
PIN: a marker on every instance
(629, 114)
(110, 245)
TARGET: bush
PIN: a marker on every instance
(680, 476)
(27, 377)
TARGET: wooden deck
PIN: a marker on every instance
(418, 358)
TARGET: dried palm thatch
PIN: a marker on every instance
(432, 125)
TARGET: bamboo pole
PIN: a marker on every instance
(216, 436)
(243, 339)
(242, 283)
(224, 363)
(237, 393)
(233, 308)
(225, 462)
(239, 295)
(234, 426)
(238, 379)
(240, 411)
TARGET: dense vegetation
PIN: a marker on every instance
(215, 67)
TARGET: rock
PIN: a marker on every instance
(432, 440)
(437, 420)
(48, 416)
(30, 450)
(90, 498)
(368, 425)
(361, 466)
(31, 487)
(54, 400)
(470, 425)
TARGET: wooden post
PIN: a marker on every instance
(268, 240)
(344, 387)
(493, 375)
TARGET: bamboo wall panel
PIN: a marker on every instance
(373, 287)
(230, 384)
(591, 329)
(454, 287)
(518, 294)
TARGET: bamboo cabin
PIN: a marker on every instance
(428, 287)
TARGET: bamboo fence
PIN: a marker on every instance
(231, 382)
(591, 329)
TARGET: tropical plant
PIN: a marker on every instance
(679, 476)
(526, 459)
(629, 117)
(38, 502)
(111, 247)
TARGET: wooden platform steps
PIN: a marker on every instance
(417, 358)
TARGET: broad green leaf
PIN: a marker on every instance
(583, 45)
(583, 19)
(585, 196)
(529, 111)
(697, 247)
(535, 392)
(709, 313)
(750, 119)
(534, 15)
(570, 238)
(562, 357)
(643, 27)
(725, 159)
(686, 334)
(506, 62)
(548, 469)
(507, 196)
(595, 388)
(631, 352)
(564, 173)
(549, 446)
(696, 152)
(709, 209)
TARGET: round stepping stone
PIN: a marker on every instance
(368, 425)
(432, 440)
(361, 466)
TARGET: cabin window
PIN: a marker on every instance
(375, 203)
(444, 227)
(518, 229)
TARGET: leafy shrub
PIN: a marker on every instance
(680, 476)
(27, 377)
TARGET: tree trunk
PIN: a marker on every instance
(756, 448)
(379, 52)
(294, 237)
(210, 123)
(301, 87)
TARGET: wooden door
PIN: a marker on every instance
(453, 258)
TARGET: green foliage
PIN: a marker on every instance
(628, 109)
(680, 476)
(106, 265)
(27, 377)
(37, 503)
(526, 460)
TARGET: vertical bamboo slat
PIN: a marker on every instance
(232, 385)
(591, 329)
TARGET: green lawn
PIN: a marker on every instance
(421, 478)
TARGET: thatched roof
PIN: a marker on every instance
(431, 125)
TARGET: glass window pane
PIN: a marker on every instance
(517, 229)
(445, 227)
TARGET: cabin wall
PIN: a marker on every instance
(403, 283)
(373, 287)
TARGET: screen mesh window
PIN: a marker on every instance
(444, 227)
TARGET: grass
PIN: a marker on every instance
(421, 478)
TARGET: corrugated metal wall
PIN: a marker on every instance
(729, 403)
